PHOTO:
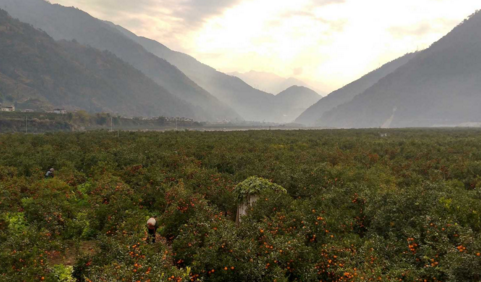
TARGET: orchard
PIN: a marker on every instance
(333, 205)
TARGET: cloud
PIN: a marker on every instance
(422, 28)
(319, 3)
(187, 11)
(418, 30)
(168, 21)
(197, 11)
(112, 6)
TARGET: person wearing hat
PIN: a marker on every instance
(50, 173)
(151, 229)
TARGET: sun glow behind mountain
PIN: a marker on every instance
(325, 42)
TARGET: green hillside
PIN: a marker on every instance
(39, 73)
(68, 23)
(440, 86)
(313, 115)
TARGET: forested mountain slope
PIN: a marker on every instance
(441, 86)
(348, 92)
(294, 101)
(39, 73)
(70, 23)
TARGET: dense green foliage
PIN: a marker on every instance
(358, 207)
(255, 186)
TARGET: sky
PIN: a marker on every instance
(327, 43)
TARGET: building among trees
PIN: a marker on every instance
(8, 109)
(59, 111)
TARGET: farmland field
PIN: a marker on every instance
(359, 206)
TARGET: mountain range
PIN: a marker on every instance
(252, 104)
(37, 72)
(440, 86)
(76, 61)
(226, 97)
(64, 23)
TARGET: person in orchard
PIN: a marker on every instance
(50, 173)
(152, 228)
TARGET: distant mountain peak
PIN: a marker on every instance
(293, 87)
(300, 90)
(269, 82)
(295, 100)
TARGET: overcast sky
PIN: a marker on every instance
(327, 42)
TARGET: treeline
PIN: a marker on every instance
(11, 122)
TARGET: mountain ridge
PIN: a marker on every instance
(312, 115)
(36, 71)
(70, 23)
(252, 104)
(439, 87)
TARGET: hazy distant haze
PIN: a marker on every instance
(329, 42)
